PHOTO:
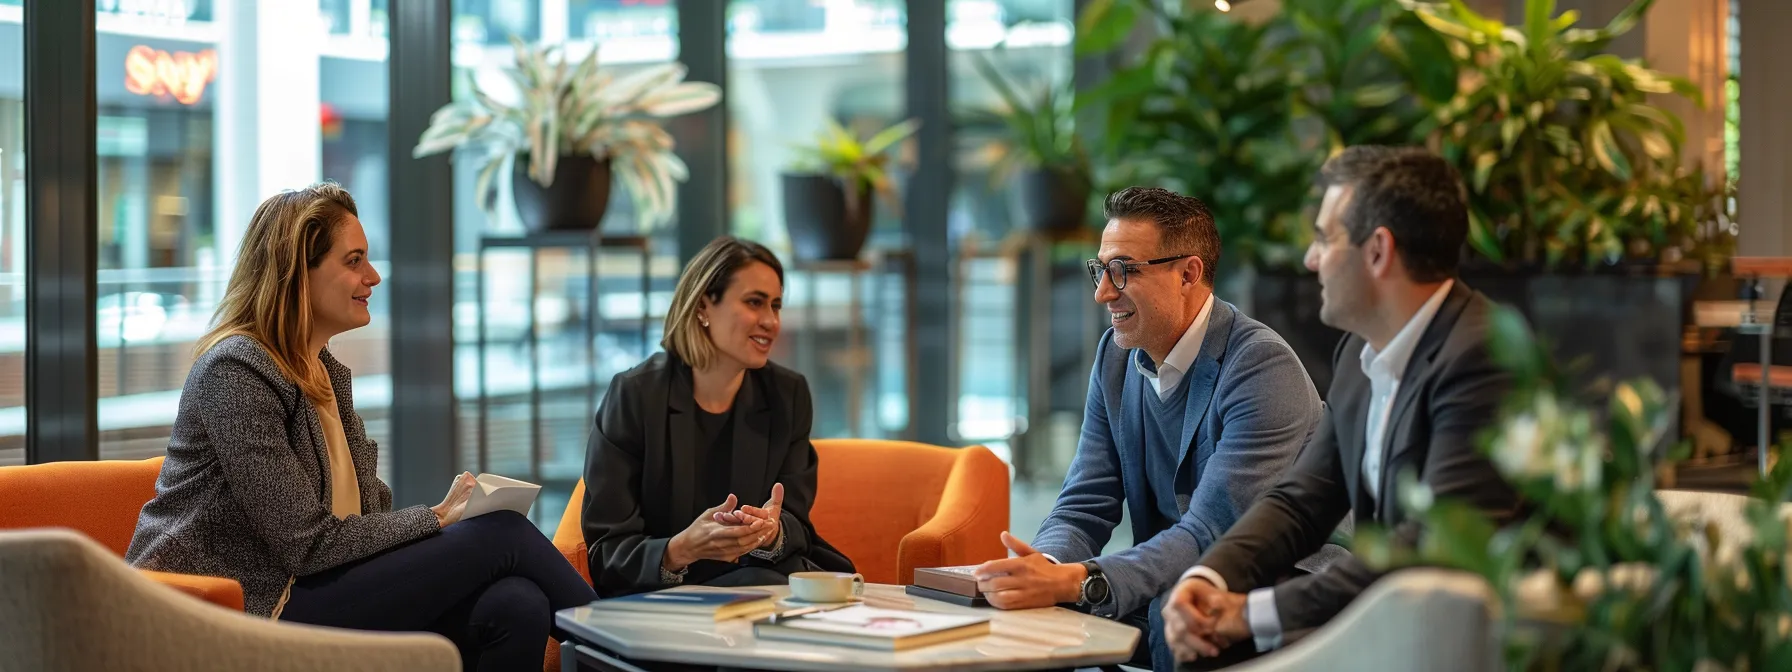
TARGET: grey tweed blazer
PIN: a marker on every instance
(245, 490)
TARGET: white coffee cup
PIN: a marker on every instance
(826, 586)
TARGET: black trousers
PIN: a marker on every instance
(1152, 653)
(490, 584)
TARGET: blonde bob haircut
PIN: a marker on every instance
(269, 295)
(707, 277)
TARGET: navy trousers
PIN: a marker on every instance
(490, 584)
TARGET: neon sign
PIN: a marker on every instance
(179, 75)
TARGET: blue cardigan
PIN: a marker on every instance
(1250, 410)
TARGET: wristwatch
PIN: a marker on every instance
(1095, 587)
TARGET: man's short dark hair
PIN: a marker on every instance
(1414, 194)
(1184, 224)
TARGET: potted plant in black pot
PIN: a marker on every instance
(1042, 155)
(828, 192)
(571, 132)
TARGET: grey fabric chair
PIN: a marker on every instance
(1415, 620)
(69, 604)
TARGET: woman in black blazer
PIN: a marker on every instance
(687, 436)
(271, 480)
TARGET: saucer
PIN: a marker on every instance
(796, 602)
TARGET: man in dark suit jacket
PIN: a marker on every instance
(1414, 384)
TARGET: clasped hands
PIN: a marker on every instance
(725, 532)
(1200, 620)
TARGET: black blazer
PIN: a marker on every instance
(1451, 390)
(641, 474)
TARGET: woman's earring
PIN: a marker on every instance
(704, 322)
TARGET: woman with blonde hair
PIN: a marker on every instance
(271, 480)
(683, 439)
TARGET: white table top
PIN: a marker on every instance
(1018, 640)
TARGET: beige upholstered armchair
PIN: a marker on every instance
(69, 604)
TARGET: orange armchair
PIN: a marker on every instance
(890, 506)
(101, 500)
(895, 506)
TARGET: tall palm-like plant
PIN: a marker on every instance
(576, 110)
(1209, 110)
(1370, 69)
(1565, 157)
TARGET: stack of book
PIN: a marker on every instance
(956, 585)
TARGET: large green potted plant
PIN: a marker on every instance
(1207, 110)
(1370, 70)
(829, 190)
(1367, 72)
(570, 131)
(1564, 154)
(1040, 152)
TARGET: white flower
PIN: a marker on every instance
(1588, 584)
(1567, 468)
(1636, 577)
(1540, 592)
(1418, 497)
(1519, 450)
(1727, 555)
(1592, 463)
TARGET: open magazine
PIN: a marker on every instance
(492, 492)
(873, 628)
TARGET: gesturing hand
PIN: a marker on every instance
(1030, 580)
(772, 514)
(1200, 620)
(707, 538)
(455, 504)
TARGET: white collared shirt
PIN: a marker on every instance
(1176, 365)
(1384, 370)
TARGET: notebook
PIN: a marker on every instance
(718, 604)
(492, 492)
(873, 628)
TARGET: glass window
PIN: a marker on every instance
(357, 18)
(187, 149)
(352, 151)
(12, 233)
(794, 66)
(535, 345)
(495, 21)
(606, 21)
(1023, 46)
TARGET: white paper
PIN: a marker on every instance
(492, 492)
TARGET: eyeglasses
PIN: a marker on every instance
(1116, 270)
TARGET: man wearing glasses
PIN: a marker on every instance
(1193, 411)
